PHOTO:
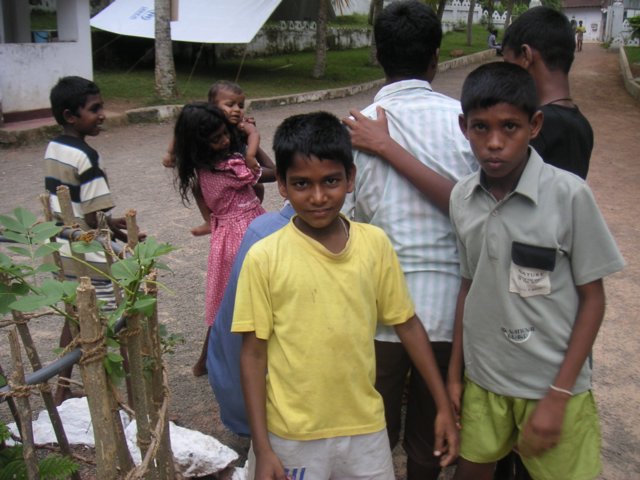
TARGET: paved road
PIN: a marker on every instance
(131, 156)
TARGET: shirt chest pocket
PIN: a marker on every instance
(530, 269)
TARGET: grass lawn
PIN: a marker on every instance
(267, 76)
(633, 56)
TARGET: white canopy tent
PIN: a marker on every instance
(199, 21)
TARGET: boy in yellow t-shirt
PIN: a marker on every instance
(308, 302)
(580, 31)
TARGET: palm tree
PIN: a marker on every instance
(376, 8)
(321, 35)
(165, 71)
(472, 7)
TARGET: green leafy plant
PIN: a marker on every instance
(12, 466)
(634, 22)
(21, 290)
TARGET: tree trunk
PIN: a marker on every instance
(490, 9)
(376, 8)
(321, 40)
(472, 7)
(507, 20)
(441, 5)
(165, 68)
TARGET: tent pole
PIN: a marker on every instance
(195, 63)
(139, 60)
(244, 55)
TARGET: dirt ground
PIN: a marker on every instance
(132, 155)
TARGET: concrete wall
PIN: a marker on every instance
(592, 19)
(29, 70)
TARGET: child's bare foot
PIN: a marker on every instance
(199, 369)
(169, 160)
(200, 230)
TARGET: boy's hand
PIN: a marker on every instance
(447, 441)
(544, 427)
(455, 389)
(117, 223)
(269, 467)
(252, 164)
(368, 135)
(250, 120)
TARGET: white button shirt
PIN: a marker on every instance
(426, 124)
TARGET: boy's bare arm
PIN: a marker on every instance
(268, 167)
(253, 369)
(544, 427)
(253, 144)
(456, 364)
(117, 225)
(372, 136)
(416, 341)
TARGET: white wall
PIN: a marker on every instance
(591, 19)
(29, 70)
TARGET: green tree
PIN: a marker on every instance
(634, 22)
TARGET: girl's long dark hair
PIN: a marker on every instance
(194, 127)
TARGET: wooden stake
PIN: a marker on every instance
(45, 391)
(166, 467)
(134, 346)
(132, 228)
(24, 410)
(95, 381)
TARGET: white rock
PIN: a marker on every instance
(241, 473)
(195, 453)
(74, 414)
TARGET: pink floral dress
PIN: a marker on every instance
(228, 193)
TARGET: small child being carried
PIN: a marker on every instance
(207, 161)
(230, 98)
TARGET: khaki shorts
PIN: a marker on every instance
(492, 425)
(364, 457)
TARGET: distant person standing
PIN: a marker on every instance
(541, 40)
(580, 31)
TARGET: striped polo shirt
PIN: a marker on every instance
(72, 162)
(426, 124)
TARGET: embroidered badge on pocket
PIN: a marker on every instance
(530, 269)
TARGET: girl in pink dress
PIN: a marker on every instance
(206, 154)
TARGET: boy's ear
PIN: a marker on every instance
(526, 56)
(69, 117)
(462, 122)
(282, 186)
(536, 123)
(351, 179)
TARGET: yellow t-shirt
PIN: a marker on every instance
(318, 312)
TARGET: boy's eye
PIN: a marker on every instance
(479, 126)
(241, 105)
(300, 184)
(510, 126)
(332, 181)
